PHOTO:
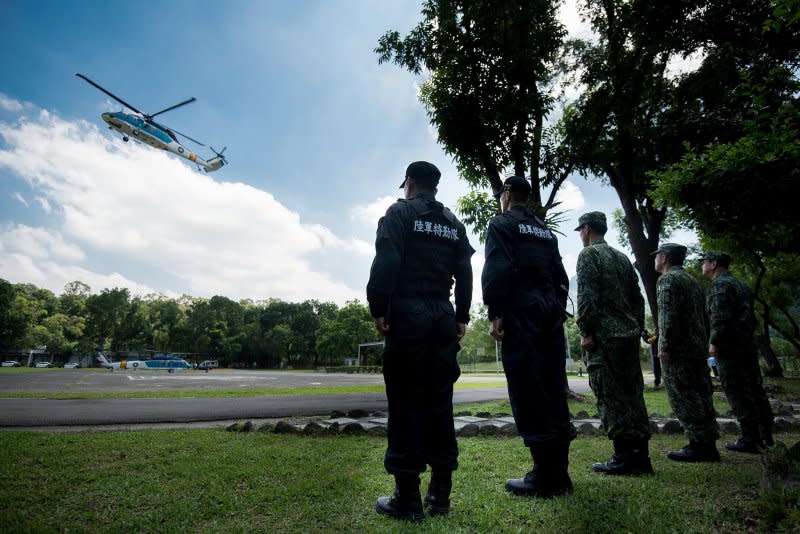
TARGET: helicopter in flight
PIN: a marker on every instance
(142, 127)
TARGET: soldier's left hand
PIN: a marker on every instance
(588, 344)
(380, 324)
(461, 329)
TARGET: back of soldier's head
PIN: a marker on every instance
(675, 253)
(596, 220)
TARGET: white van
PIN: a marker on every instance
(208, 364)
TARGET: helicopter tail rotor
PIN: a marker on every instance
(219, 154)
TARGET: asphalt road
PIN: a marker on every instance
(87, 412)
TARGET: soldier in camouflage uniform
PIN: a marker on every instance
(611, 319)
(730, 310)
(682, 343)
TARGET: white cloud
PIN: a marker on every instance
(38, 244)
(152, 217)
(570, 197)
(9, 104)
(19, 198)
(569, 15)
(369, 214)
(46, 207)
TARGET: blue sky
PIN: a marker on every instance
(318, 138)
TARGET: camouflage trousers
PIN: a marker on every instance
(615, 376)
(688, 385)
(742, 382)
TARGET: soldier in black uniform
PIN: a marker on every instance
(420, 248)
(525, 288)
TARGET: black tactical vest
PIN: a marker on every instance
(432, 236)
(534, 246)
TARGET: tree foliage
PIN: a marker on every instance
(736, 185)
(272, 333)
(489, 87)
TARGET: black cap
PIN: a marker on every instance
(423, 172)
(595, 219)
(515, 184)
(721, 258)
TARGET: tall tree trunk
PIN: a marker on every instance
(763, 340)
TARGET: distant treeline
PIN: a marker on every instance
(269, 333)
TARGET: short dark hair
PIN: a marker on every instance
(675, 257)
(598, 227)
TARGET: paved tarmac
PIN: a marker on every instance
(17, 413)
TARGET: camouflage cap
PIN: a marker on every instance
(596, 219)
(721, 258)
(423, 172)
(675, 252)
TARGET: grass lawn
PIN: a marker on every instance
(216, 481)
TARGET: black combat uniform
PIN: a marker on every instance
(420, 248)
(524, 283)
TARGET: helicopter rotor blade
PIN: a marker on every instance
(115, 97)
(189, 101)
(187, 137)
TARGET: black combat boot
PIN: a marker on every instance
(549, 476)
(743, 445)
(437, 500)
(696, 452)
(751, 437)
(766, 435)
(405, 503)
(630, 458)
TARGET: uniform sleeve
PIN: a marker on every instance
(588, 274)
(560, 278)
(720, 304)
(666, 322)
(463, 278)
(389, 249)
(497, 270)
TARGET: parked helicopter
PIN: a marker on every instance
(157, 362)
(142, 127)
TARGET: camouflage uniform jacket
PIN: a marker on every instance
(682, 320)
(610, 303)
(730, 311)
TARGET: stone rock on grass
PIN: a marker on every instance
(672, 427)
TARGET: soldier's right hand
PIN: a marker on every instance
(381, 326)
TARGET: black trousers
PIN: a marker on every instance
(419, 369)
(534, 359)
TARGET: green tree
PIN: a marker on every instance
(339, 338)
(62, 333)
(752, 166)
(477, 339)
(614, 125)
(11, 324)
(647, 114)
(107, 313)
(490, 70)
